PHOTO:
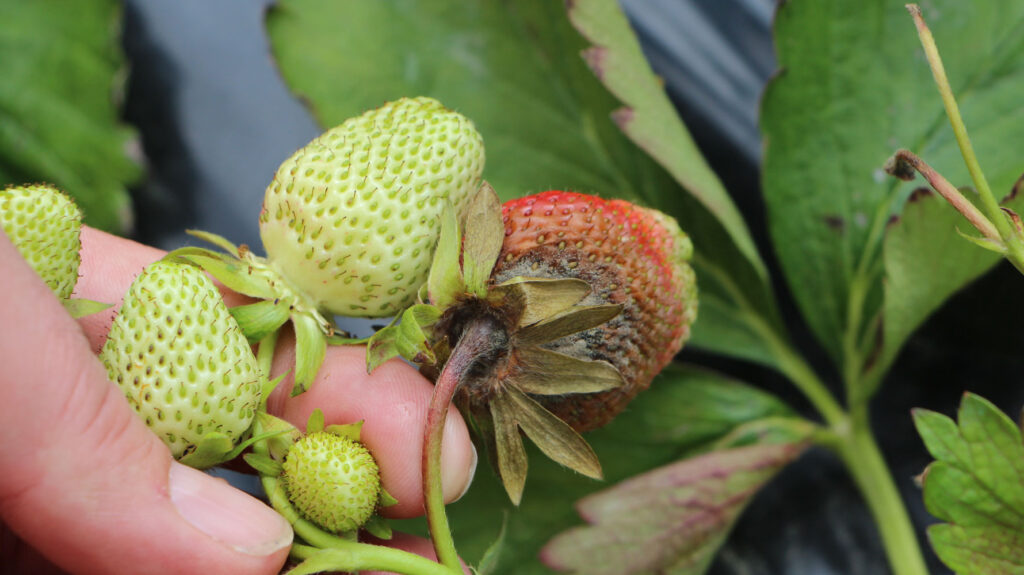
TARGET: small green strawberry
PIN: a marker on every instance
(44, 224)
(332, 480)
(181, 360)
(350, 223)
(326, 476)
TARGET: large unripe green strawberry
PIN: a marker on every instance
(351, 219)
(332, 480)
(44, 224)
(181, 360)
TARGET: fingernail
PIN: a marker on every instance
(469, 478)
(226, 514)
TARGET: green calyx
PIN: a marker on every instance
(248, 274)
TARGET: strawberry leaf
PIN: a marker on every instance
(572, 320)
(315, 423)
(672, 519)
(352, 431)
(491, 559)
(648, 117)
(552, 436)
(405, 338)
(926, 262)
(378, 527)
(854, 87)
(547, 372)
(263, 464)
(975, 487)
(61, 62)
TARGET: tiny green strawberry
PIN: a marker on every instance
(44, 224)
(332, 480)
(350, 223)
(181, 360)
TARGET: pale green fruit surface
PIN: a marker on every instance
(352, 219)
(333, 481)
(44, 224)
(180, 358)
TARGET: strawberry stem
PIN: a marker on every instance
(363, 557)
(476, 339)
(1012, 238)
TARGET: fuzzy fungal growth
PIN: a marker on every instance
(180, 358)
(332, 480)
(351, 219)
(44, 224)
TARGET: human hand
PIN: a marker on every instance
(85, 487)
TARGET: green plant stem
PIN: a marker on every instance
(475, 339)
(1012, 239)
(860, 453)
(850, 436)
(360, 557)
(788, 362)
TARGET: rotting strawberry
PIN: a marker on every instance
(45, 225)
(628, 255)
(183, 363)
(559, 308)
(350, 223)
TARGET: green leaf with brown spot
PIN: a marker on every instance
(926, 262)
(853, 88)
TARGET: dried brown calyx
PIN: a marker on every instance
(541, 340)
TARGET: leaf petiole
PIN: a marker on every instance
(1011, 237)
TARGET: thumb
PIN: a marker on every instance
(81, 477)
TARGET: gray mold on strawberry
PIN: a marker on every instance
(586, 301)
